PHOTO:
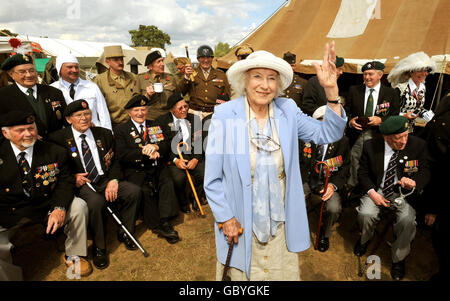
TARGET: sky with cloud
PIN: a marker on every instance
(188, 22)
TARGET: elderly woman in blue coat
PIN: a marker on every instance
(252, 175)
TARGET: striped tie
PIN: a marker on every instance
(88, 160)
(25, 172)
(388, 188)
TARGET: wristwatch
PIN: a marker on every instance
(338, 100)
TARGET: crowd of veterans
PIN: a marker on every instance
(71, 150)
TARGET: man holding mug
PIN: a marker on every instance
(156, 85)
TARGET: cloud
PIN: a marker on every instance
(189, 22)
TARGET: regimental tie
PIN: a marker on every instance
(89, 160)
(143, 134)
(72, 92)
(25, 169)
(30, 94)
(369, 106)
(388, 187)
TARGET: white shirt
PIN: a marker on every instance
(28, 151)
(375, 95)
(184, 128)
(92, 147)
(412, 86)
(89, 91)
(25, 90)
(138, 126)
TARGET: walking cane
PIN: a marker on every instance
(327, 174)
(190, 179)
(397, 203)
(128, 233)
(225, 277)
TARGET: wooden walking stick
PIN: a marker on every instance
(225, 277)
(325, 186)
(190, 179)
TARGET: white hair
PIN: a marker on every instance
(239, 81)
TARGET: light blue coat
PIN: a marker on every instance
(228, 184)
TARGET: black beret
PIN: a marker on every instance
(173, 99)
(17, 117)
(15, 60)
(223, 96)
(376, 65)
(152, 56)
(289, 57)
(205, 50)
(339, 61)
(394, 125)
(75, 106)
(137, 101)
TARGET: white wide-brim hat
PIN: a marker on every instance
(262, 59)
(65, 58)
(414, 62)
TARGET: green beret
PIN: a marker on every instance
(137, 101)
(152, 56)
(376, 65)
(339, 61)
(173, 99)
(75, 106)
(394, 125)
(289, 57)
(15, 60)
(16, 117)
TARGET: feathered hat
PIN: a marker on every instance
(17, 46)
(414, 62)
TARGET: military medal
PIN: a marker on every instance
(45, 182)
(138, 140)
(307, 150)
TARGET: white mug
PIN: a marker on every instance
(158, 87)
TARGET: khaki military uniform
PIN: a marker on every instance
(158, 101)
(205, 91)
(117, 90)
(296, 89)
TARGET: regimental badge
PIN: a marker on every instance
(142, 102)
(84, 104)
(30, 119)
(25, 57)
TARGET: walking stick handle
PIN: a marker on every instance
(240, 229)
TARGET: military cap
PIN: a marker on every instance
(136, 101)
(394, 125)
(16, 117)
(152, 56)
(223, 96)
(289, 57)
(15, 60)
(173, 99)
(75, 106)
(244, 49)
(205, 50)
(339, 61)
(113, 51)
(376, 65)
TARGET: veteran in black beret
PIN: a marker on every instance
(391, 163)
(143, 151)
(98, 177)
(37, 187)
(180, 125)
(314, 94)
(155, 84)
(25, 94)
(367, 106)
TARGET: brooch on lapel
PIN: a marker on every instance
(72, 147)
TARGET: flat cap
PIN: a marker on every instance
(173, 99)
(15, 60)
(376, 65)
(75, 106)
(152, 56)
(394, 125)
(136, 101)
(16, 117)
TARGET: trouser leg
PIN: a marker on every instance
(355, 156)
(179, 179)
(168, 206)
(129, 195)
(76, 224)
(404, 231)
(333, 209)
(150, 207)
(8, 271)
(368, 217)
(96, 204)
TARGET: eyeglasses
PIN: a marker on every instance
(23, 72)
(181, 108)
(81, 115)
(265, 143)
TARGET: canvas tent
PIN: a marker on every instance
(362, 29)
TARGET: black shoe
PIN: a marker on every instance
(360, 249)
(185, 208)
(166, 230)
(324, 244)
(129, 244)
(101, 260)
(172, 240)
(398, 270)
